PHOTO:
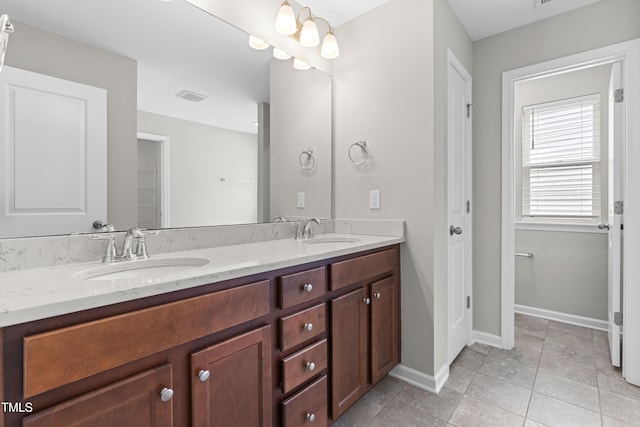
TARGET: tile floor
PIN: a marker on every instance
(557, 375)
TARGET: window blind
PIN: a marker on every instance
(561, 159)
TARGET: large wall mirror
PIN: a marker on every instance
(194, 119)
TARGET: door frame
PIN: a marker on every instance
(164, 174)
(628, 54)
(454, 64)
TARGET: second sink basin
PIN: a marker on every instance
(147, 269)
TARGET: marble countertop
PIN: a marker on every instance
(38, 293)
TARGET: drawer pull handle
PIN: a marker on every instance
(308, 287)
(308, 327)
(311, 417)
(166, 394)
(377, 295)
(311, 366)
(366, 300)
(204, 375)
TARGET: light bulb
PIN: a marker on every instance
(280, 54)
(257, 43)
(286, 20)
(330, 49)
(299, 64)
(309, 36)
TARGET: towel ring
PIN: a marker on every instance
(306, 159)
(365, 152)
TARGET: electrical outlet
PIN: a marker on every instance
(374, 199)
(301, 200)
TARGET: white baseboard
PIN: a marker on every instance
(572, 319)
(487, 339)
(420, 379)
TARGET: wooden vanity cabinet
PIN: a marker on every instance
(364, 326)
(290, 347)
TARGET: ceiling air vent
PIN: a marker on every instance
(191, 96)
(539, 3)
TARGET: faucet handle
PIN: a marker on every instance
(141, 248)
(110, 253)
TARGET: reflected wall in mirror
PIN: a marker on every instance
(143, 54)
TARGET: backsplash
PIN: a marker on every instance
(33, 252)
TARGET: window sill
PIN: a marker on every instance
(555, 226)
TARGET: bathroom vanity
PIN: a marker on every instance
(292, 338)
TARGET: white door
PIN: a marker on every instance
(615, 219)
(458, 205)
(53, 155)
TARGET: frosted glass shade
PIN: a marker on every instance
(257, 43)
(330, 49)
(309, 36)
(299, 64)
(286, 20)
(280, 54)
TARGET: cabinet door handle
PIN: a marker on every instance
(311, 417)
(204, 375)
(366, 300)
(311, 366)
(166, 394)
(308, 327)
(377, 295)
(308, 287)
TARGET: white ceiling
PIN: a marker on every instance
(484, 18)
(179, 47)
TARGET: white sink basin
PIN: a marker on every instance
(330, 240)
(147, 269)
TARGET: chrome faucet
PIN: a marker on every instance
(304, 230)
(127, 247)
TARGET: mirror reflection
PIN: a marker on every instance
(183, 96)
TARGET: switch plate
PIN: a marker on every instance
(374, 199)
(301, 200)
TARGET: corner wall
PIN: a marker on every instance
(390, 90)
(600, 24)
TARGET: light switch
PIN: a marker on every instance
(374, 199)
(301, 200)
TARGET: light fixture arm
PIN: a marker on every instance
(318, 18)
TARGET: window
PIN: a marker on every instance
(561, 160)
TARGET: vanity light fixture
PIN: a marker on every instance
(280, 54)
(257, 43)
(299, 64)
(306, 32)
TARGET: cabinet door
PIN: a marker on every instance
(231, 382)
(134, 401)
(384, 328)
(349, 338)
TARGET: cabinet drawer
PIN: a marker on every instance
(360, 269)
(308, 407)
(303, 365)
(302, 326)
(59, 357)
(301, 287)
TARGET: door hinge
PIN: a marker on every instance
(469, 110)
(468, 302)
(617, 318)
(618, 95)
(468, 206)
(618, 207)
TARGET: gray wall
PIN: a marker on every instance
(199, 156)
(300, 110)
(390, 91)
(600, 24)
(42, 52)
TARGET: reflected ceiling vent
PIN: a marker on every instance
(191, 96)
(544, 2)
